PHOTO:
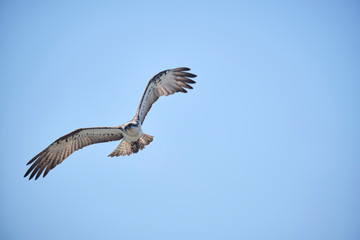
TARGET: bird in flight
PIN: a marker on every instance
(164, 83)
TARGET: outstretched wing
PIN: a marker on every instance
(59, 150)
(163, 84)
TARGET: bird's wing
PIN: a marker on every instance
(163, 84)
(59, 150)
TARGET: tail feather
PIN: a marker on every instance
(126, 148)
(145, 140)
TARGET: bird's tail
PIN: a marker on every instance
(126, 148)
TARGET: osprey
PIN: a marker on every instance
(162, 84)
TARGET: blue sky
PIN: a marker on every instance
(266, 146)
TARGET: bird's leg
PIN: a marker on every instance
(135, 146)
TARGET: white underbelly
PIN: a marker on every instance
(133, 134)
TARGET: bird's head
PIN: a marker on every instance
(127, 126)
(130, 125)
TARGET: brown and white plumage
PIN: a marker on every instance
(162, 84)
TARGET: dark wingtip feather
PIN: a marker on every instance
(187, 86)
(32, 175)
(47, 170)
(27, 173)
(30, 170)
(180, 69)
(191, 81)
(37, 170)
(37, 156)
(190, 75)
(187, 80)
(41, 169)
(33, 159)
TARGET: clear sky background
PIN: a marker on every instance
(266, 146)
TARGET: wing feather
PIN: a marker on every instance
(164, 83)
(63, 147)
